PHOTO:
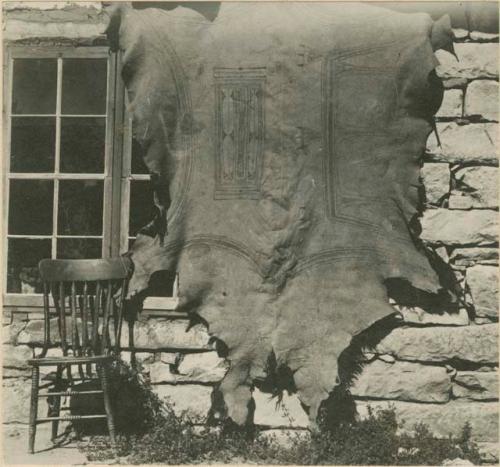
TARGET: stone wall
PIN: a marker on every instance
(436, 368)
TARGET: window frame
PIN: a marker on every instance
(116, 178)
(112, 164)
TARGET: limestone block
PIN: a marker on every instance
(476, 142)
(474, 61)
(476, 385)
(33, 332)
(17, 373)
(478, 344)
(16, 29)
(452, 104)
(479, 36)
(455, 227)
(16, 401)
(475, 187)
(289, 413)
(160, 372)
(469, 256)
(167, 334)
(203, 367)
(436, 180)
(460, 34)
(444, 419)
(10, 332)
(481, 99)
(455, 83)
(192, 399)
(16, 356)
(403, 381)
(140, 357)
(417, 315)
(483, 285)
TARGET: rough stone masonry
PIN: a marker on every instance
(437, 368)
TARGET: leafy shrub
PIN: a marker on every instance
(157, 435)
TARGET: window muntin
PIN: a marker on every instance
(58, 167)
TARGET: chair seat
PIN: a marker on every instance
(70, 360)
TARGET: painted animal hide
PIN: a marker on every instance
(284, 142)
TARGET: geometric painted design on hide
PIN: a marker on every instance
(239, 126)
(358, 104)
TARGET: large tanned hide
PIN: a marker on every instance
(284, 141)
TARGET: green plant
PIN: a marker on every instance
(164, 437)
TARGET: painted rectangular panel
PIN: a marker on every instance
(239, 126)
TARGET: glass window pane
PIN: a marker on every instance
(32, 144)
(22, 264)
(84, 86)
(80, 207)
(79, 248)
(82, 145)
(138, 166)
(161, 284)
(142, 207)
(34, 86)
(30, 207)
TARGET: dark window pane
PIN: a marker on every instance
(22, 264)
(34, 86)
(161, 284)
(30, 207)
(138, 166)
(82, 145)
(84, 86)
(80, 207)
(78, 248)
(32, 144)
(141, 205)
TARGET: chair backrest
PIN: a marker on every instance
(88, 295)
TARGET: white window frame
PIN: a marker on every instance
(116, 176)
(59, 53)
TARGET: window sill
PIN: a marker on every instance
(152, 305)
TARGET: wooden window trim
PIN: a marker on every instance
(116, 178)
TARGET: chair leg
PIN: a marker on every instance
(57, 403)
(103, 374)
(35, 374)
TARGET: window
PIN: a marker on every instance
(59, 116)
(75, 183)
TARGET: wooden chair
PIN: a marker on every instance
(88, 297)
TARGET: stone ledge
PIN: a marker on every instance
(477, 344)
(475, 142)
(444, 419)
(456, 227)
(403, 381)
